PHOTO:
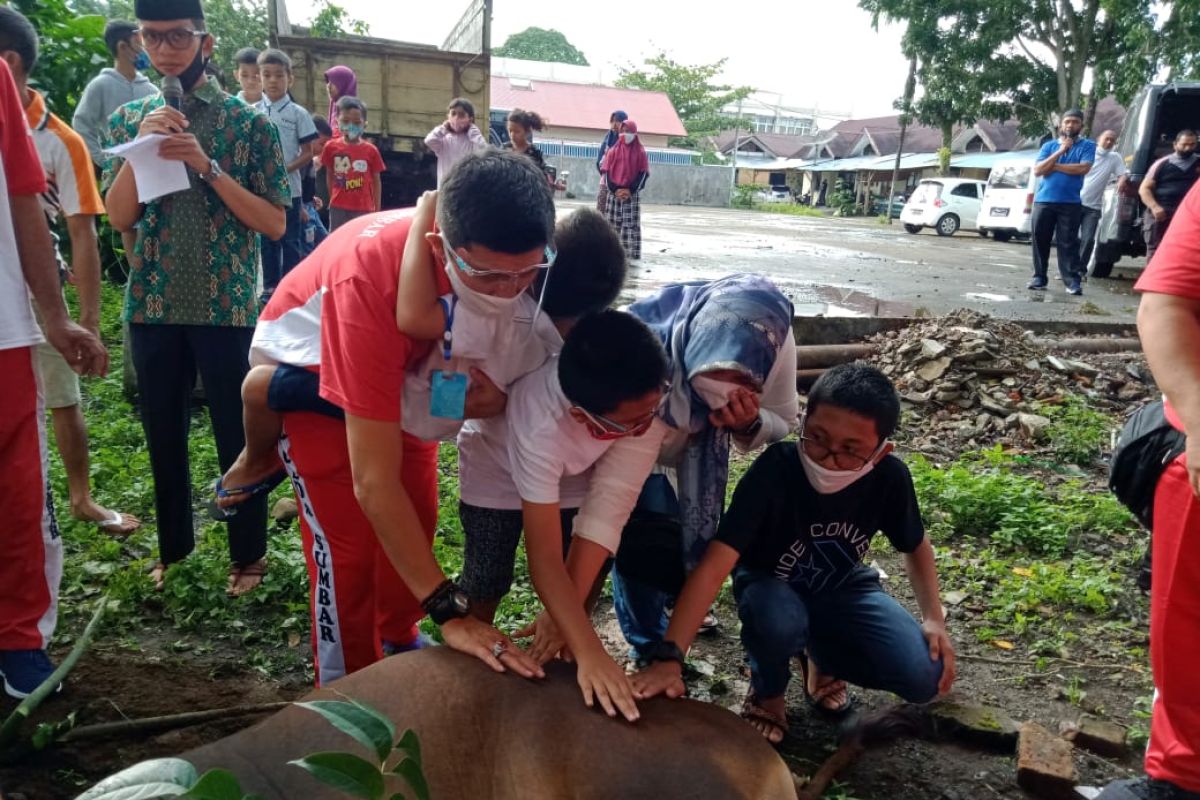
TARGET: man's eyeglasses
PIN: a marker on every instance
(851, 462)
(500, 275)
(176, 38)
(606, 429)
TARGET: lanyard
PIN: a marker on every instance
(447, 336)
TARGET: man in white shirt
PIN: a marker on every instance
(1107, 166)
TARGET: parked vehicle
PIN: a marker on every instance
(776, 194)
(944, 204)
(1156, 114)
(1007, 207)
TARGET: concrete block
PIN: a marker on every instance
(1045, 765)
(981, 726)
(1099, 736)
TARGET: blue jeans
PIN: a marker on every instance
(313, 232)
(857, 632)
(641, 612)
(278, 257)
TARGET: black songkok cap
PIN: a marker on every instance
(156, 10)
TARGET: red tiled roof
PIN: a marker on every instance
(578, 105)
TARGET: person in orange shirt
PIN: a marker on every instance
(71, 193)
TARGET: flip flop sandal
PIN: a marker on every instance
(243, 493)
(710, 623)
(255, 569)
(158, 574)
(116, 524)
(753, 712)
(816, 700)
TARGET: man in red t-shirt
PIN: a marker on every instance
(367, 489)
(1169, 325)
(352, 167)
(32, 564)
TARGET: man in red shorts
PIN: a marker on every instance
(1169, 325)
(367, 489)
(32, 563)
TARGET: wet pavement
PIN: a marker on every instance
(861, 267)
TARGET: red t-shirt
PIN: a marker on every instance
(1175, 268)
(353, 166)
(336, 313)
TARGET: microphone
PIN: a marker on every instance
(172, 91)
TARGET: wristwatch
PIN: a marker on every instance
(214, 172)
(666, 650)
(448, 601)
(752, 428)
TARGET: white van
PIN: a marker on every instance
(1007, 207)
(944, 204)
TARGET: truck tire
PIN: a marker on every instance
(947, 225)
(1104, 259)
(1002, 236)
(1102, 269)
(912, 228)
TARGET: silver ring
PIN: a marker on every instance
(499, 649)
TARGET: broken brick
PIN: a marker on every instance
(1045, 764)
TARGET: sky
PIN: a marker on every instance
(820, 53)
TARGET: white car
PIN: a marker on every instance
(1007, 208)
(944, 204)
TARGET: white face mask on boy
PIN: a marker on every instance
(477, 301)
(831, 481)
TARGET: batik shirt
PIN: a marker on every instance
(198, 260)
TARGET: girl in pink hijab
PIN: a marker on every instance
(340, 81)
(625, 169)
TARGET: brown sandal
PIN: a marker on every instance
(753, 712)
(253, 571)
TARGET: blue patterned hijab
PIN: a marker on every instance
(738, 322)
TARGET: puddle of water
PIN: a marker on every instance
(995, 298)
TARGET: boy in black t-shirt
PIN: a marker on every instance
(794, 537)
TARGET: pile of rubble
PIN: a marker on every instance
(967, 378)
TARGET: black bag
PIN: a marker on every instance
(1146, 446)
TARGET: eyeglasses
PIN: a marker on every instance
(851, 462)
(500, 275)
(606, 429)
(176, 38)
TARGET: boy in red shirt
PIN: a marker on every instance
(352, 166)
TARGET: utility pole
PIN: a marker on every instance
(737, 141)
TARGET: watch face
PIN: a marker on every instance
(461, 602)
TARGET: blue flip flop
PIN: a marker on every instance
(264, 486)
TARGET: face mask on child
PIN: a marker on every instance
(830, 481)
(712, 391)
(477, 301)
(629, 137)
(352, 131)
(141, 61)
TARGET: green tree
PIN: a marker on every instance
(697, 97)
(334, 22)
(71, 47)
(540, 44)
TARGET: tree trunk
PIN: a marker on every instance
(1089, 118)
(947, 139)
(910, 89)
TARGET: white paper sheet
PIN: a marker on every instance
(153, 175)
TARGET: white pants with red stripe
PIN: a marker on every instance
(31, 567)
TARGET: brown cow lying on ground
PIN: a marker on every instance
(488, 735)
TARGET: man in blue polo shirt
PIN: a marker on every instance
(1061, 165)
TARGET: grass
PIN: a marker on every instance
(790, 209)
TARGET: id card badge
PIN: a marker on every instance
(448, 398)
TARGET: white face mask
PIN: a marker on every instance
(830, 481)
(712, 391)
(629, 137)
(477, 301)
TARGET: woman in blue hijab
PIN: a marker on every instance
(733, 362)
